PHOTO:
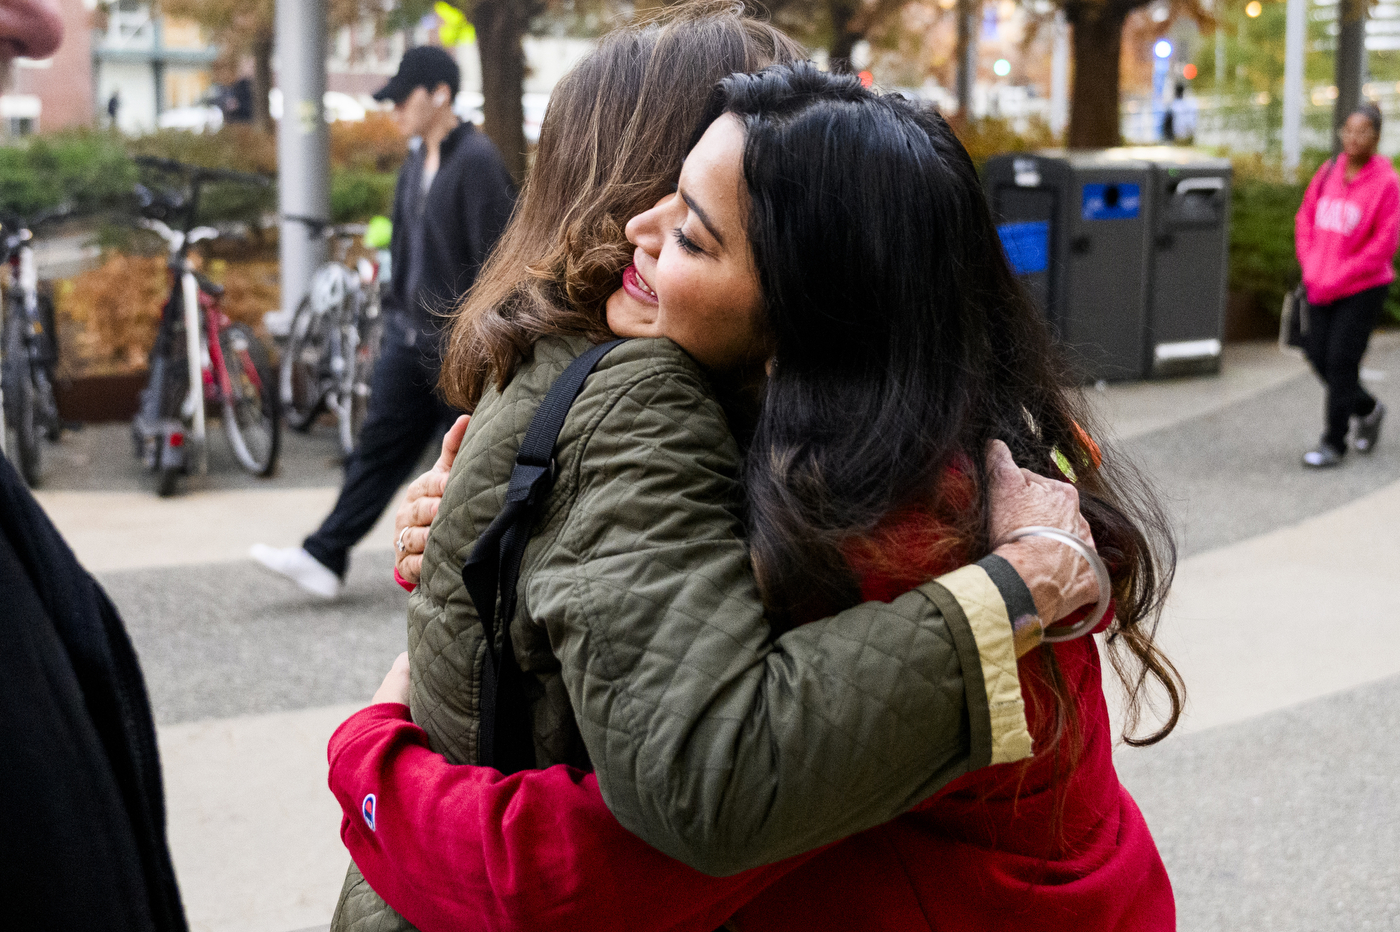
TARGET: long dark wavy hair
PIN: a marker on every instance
(903, 343)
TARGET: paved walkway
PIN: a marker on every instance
(1276, 805)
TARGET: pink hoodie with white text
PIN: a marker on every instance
(1346, 232)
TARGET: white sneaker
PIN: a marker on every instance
(300, 567)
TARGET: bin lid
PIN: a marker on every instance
(1170, 156)
(1090, 158)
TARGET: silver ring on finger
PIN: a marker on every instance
(399, 543)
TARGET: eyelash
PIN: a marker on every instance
(685, 242)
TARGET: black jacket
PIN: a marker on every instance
(436, 257)
(83, 844)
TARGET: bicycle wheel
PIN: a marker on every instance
(301, 388)
(21, 400)
(366, 356)
(167, 481)
(46, 400)
(251, 409)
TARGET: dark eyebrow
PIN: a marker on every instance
(704, 218)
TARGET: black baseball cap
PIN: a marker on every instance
(422, 66)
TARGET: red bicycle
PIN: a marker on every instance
(193, 375)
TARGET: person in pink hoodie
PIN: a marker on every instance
(1346, 234)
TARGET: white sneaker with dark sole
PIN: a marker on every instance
(300, 567)
(1324, 457)
(1368, 429)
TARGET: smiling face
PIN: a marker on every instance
(692, 277)
(29, 28)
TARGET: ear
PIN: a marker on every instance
(442, 95)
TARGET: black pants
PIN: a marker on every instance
(405, 415)
(1338, 334)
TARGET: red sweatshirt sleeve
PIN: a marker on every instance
(456, 847)
(1303, 221)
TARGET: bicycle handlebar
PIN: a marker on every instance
(195, 173)
(326, 229)
(15, 222)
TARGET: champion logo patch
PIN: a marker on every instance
(367, 810)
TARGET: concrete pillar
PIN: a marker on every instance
(1293, 54)
(968, 23)
(303, 144)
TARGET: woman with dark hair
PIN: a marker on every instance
(645, 645)
(897, 344)
(1346, 233)
(840, 242)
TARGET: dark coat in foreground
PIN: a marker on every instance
(83, 845)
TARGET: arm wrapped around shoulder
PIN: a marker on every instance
(714, 742)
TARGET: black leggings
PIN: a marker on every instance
(1338, 334)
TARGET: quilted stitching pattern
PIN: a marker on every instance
(361, 910)
(638, 612)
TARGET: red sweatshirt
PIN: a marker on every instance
(1346, 232)
(461, 847)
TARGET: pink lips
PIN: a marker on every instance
(636, 286)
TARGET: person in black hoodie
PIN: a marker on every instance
(84, 843)
(453, 199)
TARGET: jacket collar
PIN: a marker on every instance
(453, 139)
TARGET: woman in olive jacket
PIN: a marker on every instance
(639, 625)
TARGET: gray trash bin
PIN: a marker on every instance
(1124, 250)
(1190, 260)
(1093, 212)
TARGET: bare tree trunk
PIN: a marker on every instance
(1098, 45)
(262, 83)
(500, 26)
(1350, 64)
(843, 38)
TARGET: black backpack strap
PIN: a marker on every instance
(506, 739)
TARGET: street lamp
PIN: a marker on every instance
(1163, 49)
(1002, 67)
(1253, 9)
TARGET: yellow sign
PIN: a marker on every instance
(455, 30)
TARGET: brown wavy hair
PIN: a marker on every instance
(611, 145)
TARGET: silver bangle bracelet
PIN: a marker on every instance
(1100, 574)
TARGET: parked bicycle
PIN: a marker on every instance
(202, 362)
(28, 351)
(333, 340)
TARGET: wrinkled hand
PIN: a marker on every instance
(1060, 580)
(421, 506)
(395, 685)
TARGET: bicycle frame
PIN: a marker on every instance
(194, 402)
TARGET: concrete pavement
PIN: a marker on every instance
(1276, 804)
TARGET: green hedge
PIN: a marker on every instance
(358, 196)
(86, 170)
(93, 170)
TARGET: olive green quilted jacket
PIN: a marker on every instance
(642, 631)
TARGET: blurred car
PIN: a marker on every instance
(468, 106)
(337, 106)
(200, 118)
